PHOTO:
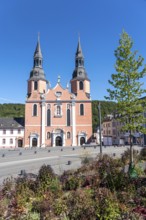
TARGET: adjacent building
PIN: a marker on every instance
(58, 116)
(113, 134)
(11, 132)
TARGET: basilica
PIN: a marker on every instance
(58, 116)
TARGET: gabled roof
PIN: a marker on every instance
(12, 123)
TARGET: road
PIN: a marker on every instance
(12, 161)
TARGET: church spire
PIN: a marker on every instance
(79, 71)
(79, 49)
(80, 81)
(38, 58)
(37, 72)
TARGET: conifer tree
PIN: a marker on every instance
(127, 88)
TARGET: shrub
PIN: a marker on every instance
(111, 173)
(107, 206)
(45, 174)
(126, 156)
(72, 182)
(80, 205)
(143, 154)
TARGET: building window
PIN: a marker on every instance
(11, 131)
(4, 141)
(4, 131)
(35, 110)
(19, 131)
(35, 85)
(58, 94)
(11, 141)
(48, 117)
(48, 135)
(68, 117)
(68, 135)
(81, 85)
(81, 109)
(58, 110)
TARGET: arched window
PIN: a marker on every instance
(48, 135)
(35, 110)
(81, 85)
(48, 117)
(35, 85)
(68, 117)
(58, 110)
(68, 135)
(81, 109)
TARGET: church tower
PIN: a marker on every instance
(80, 81)
(37, 81)
(35, 106)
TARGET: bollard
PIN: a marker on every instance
(84, 147)
(48, 150)
(114, 154)
(20, 153)
(69, 162)
(61, 149)
(94, 147)
(3, 155)
(73, 148)
(35, 152)
(22, 172)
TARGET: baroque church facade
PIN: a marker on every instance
(57, 116)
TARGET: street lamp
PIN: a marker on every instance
(99, 112)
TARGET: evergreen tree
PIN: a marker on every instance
(127, 88)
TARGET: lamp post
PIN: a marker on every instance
(99, 112)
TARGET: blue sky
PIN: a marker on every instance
(99, 23)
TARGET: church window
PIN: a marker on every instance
(58, 93)
(81, 85)
(34, 110)
(81, 109)
(35, 85)
(68, 135)
(68, 117)
(48, 117)
(58, 110)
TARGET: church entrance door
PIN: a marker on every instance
(82, 141)
(34, 142)
(58, 141)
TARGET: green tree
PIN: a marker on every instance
(126, 88)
